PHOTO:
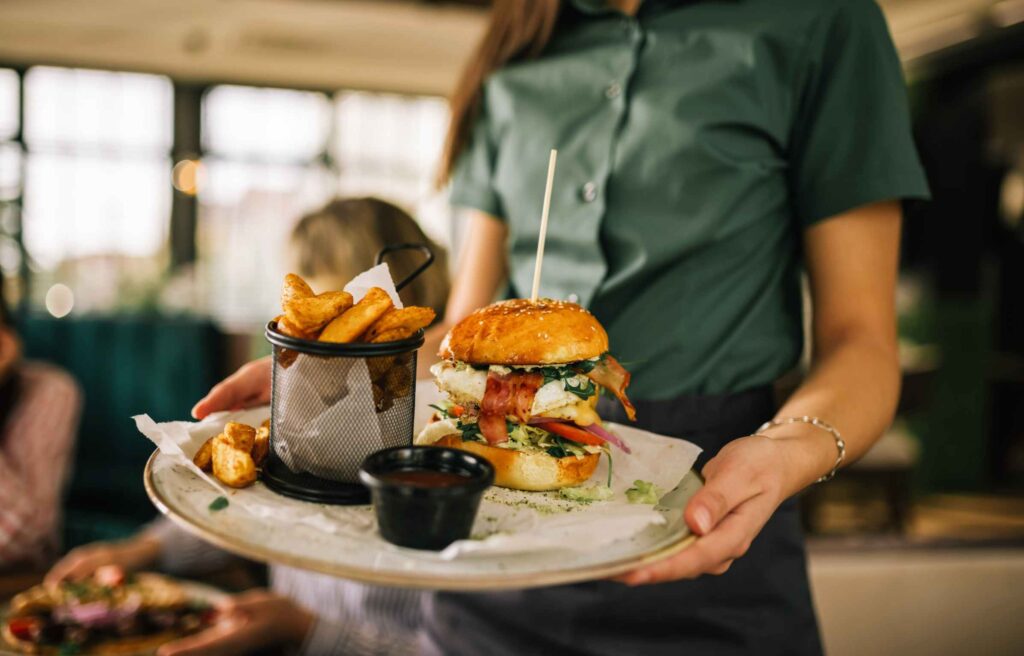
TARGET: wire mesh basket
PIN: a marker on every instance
(333, 404)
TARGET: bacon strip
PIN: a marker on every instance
(506, 394)
(610, 375)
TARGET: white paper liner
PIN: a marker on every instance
(509, 521)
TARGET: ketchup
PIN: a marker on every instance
(424, 478)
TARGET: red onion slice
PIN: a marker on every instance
(593, 429)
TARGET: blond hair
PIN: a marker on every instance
(336, 242)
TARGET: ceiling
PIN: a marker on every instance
(394, 45)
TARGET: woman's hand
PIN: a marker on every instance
(744, 484)
(129, 556)
(247, 622)
(246, 388)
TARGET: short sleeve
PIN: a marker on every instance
(851, 142)
(473, 176)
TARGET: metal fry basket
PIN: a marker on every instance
(334, 404)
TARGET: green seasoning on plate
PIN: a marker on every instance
(220, 503)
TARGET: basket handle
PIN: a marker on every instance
(423, 248)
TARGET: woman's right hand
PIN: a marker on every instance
(82, 562)
(246, 388)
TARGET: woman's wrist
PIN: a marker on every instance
(809, 454)
(299, 625)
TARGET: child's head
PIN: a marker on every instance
(332, 245)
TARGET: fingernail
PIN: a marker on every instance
(702, 518)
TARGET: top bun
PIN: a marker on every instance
(518, 333)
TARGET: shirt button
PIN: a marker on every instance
(613, 91)
(589, 192)
(574, 298)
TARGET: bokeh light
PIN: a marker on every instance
(59, 300)
(187, 176)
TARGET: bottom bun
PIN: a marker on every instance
(534, 472)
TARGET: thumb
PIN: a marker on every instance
(724, 488)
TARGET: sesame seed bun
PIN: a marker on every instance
(518, 333)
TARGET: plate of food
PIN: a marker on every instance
(574, 498)
(108, 614)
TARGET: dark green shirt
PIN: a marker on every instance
(696, 142)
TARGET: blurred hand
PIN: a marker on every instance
(744, 484)
(10, 351)
(249, 621)
(81, 563)
(246, 388)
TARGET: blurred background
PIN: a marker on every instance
(155, 155)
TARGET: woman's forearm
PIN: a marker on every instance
(854, 385)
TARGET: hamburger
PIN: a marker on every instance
(522, 380)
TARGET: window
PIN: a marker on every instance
(271, 155)
(264, 165)
(97, 172)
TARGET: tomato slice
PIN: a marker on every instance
(24, 628)
(571, 432)
(457, 410)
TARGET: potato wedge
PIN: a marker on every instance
(399, 323)
(204, 455)
(240, 436)
(286, 327)
(294, 287)
(261, 447)
(232, 466)
(357, 320)
(312, 313)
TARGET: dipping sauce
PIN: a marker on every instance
(425, 478)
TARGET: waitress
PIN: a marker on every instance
(709, 153)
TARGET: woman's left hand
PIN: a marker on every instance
(744, 484)
(247, 622)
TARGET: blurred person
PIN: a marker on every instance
(39, 412)
(709, 154)
(328, 247)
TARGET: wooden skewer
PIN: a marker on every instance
(543, 226)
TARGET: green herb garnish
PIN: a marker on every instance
(220, 503)
(583, 390)
(444, 412)
(643, 492)
(470, 432)
(69, 649)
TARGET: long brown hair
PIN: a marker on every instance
(518, 29)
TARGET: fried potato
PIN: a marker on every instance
(357, 320)
(294, 287)
(399, 323)
(204, 455)
(398, 381)
(286, 327)
(261, 447)
(312, 313)
(240, 436)
(232, 466)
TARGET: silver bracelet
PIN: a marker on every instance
(818, 423)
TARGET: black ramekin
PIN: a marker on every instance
(425, 517)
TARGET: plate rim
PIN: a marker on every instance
(415, 578)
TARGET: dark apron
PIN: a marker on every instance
(762, 605)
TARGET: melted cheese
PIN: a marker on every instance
(582, 414)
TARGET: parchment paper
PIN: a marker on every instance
(509, 521)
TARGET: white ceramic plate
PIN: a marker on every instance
(186, 498)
